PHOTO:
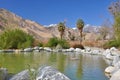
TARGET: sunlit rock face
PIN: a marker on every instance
(116, 75)
(49, 73)
(43, 73)
(23, 75)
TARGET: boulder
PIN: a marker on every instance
(113, 49)
(18, 50)
(24, 75)
(58, 46)
(40, 48)
(3, 73)
(115, 60)
(107, 51)
(116, 75)
(64, 50)
(36, 48)
(109, 62)
(70, 50)
(78, 50)
(110, 70)
(28, 50)
(95, 52)
(83, 50)
(114, 53)
(47, 49)
(9, 50)
(109, 56)
(117, 65)
(87, 49)
(49, 73)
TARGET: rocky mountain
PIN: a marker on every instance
(11, 20)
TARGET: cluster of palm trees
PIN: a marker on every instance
(79, 24)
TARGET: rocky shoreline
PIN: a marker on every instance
(112, 56)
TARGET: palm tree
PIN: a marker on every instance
(61, 29)
(80, 25)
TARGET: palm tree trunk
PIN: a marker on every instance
(61, 36)
(80, 37)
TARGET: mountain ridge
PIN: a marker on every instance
(39, 32)
(11, 20)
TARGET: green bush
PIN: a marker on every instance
(15, 38)
(64, 43)
(53, 42)
(112, 43)
(40, 44)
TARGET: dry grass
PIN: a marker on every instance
(88, 43)
(78, 46)
(36, 42)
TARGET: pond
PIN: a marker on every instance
(75, 66)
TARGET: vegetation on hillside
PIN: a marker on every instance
(15, 38)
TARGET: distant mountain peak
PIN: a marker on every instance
(50, 25)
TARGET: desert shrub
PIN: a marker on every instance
(15, 38)
(78, 46)
(40, 44)
(112, 43)
(53, 42)
(64, 43)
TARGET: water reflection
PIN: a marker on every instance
(52, 59)
(79, 68)
(61, 61)
(75, 66)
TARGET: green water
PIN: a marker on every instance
(75, 66)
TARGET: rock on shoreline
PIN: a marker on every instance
(113, 71)
(43, 73)
(50, 73)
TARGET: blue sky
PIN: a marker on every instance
(46, 12)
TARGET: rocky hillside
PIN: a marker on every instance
(11, 20)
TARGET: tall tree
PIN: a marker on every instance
(61, 29)
(106, 29)
(80, 25)
(117, 27)
(103, 30)
(114, 8)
